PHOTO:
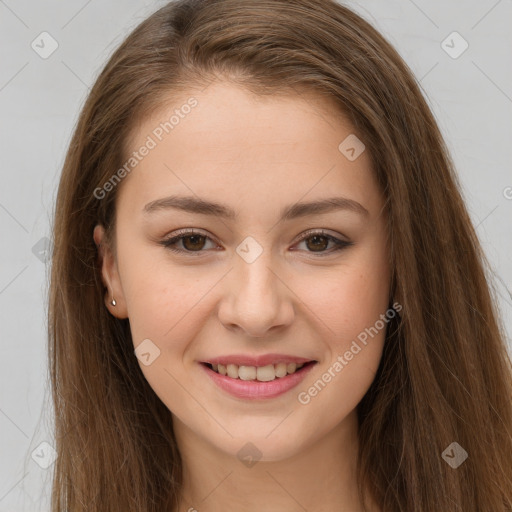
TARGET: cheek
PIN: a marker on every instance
(166, 303)
(340, 384)
(145, 284)
(358, 317)
(349, 298)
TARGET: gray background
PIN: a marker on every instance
(40, 98)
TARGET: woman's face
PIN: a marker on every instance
(268, 274)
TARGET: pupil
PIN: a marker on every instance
(195, 243)
(315, 243)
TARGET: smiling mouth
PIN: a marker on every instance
(266, 373)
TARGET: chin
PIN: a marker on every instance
(258, 444)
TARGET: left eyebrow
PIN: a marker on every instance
(196, 205)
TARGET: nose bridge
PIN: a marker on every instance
(256, 278)
(254, 263)
(257, 300)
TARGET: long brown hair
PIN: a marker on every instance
(445, 374)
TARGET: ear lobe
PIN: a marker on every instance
(114, 297)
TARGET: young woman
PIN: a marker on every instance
(266, 291)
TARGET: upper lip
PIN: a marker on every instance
(261, 360)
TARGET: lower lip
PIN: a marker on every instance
(254, 389)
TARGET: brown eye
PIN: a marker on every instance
(317, 242)
(193, 242)
(188, 242)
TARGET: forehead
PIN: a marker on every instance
(226, 142)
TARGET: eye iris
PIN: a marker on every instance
(316, 246)
(195, 245)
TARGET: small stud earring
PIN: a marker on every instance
(113, 302)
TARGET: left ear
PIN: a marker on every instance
(110, 275)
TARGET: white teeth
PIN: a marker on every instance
(261, 373)
(265, 373)
(246, 372)
(281, 369)
(232, 371)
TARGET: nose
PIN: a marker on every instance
(257, 301)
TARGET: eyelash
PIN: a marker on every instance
(170, 242)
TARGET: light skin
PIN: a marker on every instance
(256, 156)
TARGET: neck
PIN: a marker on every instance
(318, 478)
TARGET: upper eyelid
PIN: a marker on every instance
(193, 231)
(321, 231)
(181, 233)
